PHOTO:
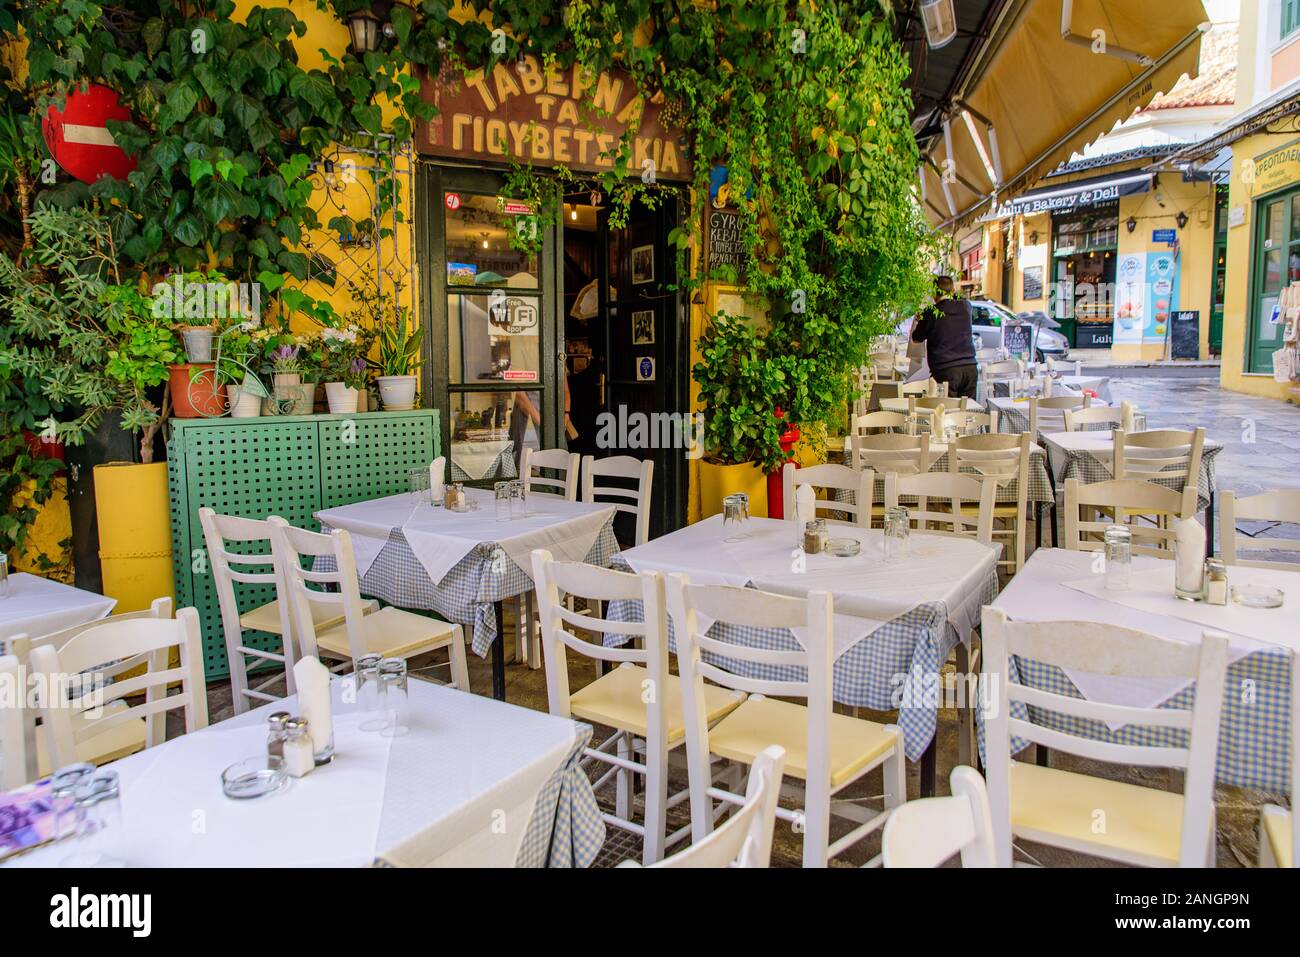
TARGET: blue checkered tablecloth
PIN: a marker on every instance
(502, 467)
(1016, 420)
(1254, 732)
(1087, 468)
(466, 595)
(895, 668)
(1040, 483)
(566, 829)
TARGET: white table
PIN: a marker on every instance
(458, 790)
(38, 606)
(1256, 729)
(464, 565)
(900, 405)
(474, 461)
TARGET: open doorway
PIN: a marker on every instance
(625, 350)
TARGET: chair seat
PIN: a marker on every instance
(614, 700)
(267, 617)
(1275, 827)
(1142, 825)
(760, 721)
(109, 745)
(390, 632)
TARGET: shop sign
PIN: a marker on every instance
(512, 315)
(723, 244)
(1167, 236)
(1064, 199)
(1275, 169)
(548, 117)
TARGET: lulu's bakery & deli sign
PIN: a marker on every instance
(558, 116)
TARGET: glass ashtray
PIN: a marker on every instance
(1258, 596)
(254, 777)
(844, 547)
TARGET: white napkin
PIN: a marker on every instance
(1189, 553)
(1047, 387)
(313, 680)
(805, 507)
(437, 479)
(1127, 417)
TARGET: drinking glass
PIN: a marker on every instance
(735, 512)
(518, 499)
(4, 575)
(63, 796)
(99, 840)
(418, 484)
(370, 693)
(897, 533)
(1119, 557)
(502, 490)
(392, 674)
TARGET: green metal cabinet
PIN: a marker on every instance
(290, 466)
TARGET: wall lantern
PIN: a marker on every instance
(1131, 223)
(1033, 237)
(364, 27)
(1181, 219)
(940, 22)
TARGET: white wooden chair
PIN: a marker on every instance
(923, 387)
(15, 727)
(1002, 460)
(1077, 420)
(1159, 455)
(1005, 369)
(557, 460)
(1120, 502)
(390, 632)
(875, 422)
(1110, 819)
(954, 491)
(256, 568)
(833, 478)
(1279, 506)
(745, 838)
(928, 832)
(904, 454)
(826, 750)
(1279, 838)
(75, 706)
(640, 699)
(1048, 415)
(976, 422)
(115, 742)
(634, 501)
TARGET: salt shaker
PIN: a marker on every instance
(1216, 582)
(812, 536)
(298, 756)
(275, 733)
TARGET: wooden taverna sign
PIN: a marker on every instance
(559, 116)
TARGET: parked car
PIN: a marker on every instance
(987, 319)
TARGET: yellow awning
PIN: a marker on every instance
(1036, 96)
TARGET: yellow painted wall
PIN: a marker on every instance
(1239, 279)
(1033, 235)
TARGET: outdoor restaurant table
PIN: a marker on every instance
(1255, 733)
(1099, 385)
(1089, 457)
(1013, 417)
(899, 405)
(39, 606)
(434, 796)
(477, 461)
(895, 621)
(464, 565)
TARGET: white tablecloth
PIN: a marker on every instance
(477, 459)
(38, 606)
(867, 590)
(458, 789)
(1099, 446)
(440, 539)
(900, 406)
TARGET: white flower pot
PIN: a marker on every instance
(290, 395)
(342, 399)
(243, 405)
(397, 392)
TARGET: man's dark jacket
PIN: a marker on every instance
(945, 328)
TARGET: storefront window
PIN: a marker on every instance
(1084, 249)
(493, 337)
(490, 430)
(478, 242)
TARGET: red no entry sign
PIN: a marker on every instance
(80, 141)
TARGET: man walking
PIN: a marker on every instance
(945, 328)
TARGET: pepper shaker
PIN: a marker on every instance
(1216, 582)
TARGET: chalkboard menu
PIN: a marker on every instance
(1033, 282)
(1185, 335)
(1018, 339)
(722, 240)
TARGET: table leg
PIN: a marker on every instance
(1040, 756)
(1052, 509)
(929, 759)
(1209, 524)
(499, 654)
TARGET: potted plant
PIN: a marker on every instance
(399, 357)
(237, 358)
(345, 366)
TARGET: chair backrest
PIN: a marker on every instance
(604, 585)
(745, 839)
(74, 696)
(1278, 506)
(1006, 369)
(1048, 415)
(935, 401)
(558, 460)
(625, 498)
(904, 454)
(922, 387)
(880, 421)
(1121, 501)
(927, 832)
(831, 477)
(1119, 652)
(1076, 420)
(993, 455)
(291, 546)
(15, 746)
(975, 422)
(1159, 455)
(953, 490)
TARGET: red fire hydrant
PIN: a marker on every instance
(775, 490)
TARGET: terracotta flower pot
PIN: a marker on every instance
(196, 396)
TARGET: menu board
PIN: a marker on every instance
(1032, 282)
(1185, 335)
(723, 245)
(1018, 339)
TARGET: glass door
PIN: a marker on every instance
(490, 326)
(1277, 263)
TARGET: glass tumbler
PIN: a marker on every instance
(418, 484)
(392, 675)
(99, 840)
(735, 512)
(370, 693)
(502, 490)
(518, 499)
(1119, 557)
(897, 533)
(63, 796)
(4, 575)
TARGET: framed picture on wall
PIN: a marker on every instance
(643, 264)
(643, 327)
(1033, 282)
